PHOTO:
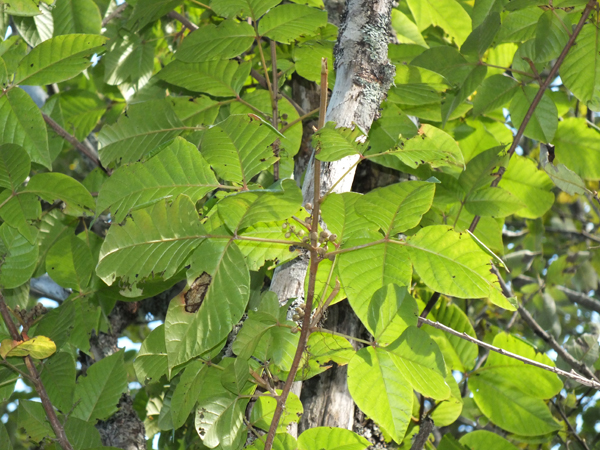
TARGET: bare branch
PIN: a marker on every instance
(117, 12)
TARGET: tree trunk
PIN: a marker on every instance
(363, 77)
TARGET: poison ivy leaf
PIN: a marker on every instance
(282, 441)
(494, 92)
(447, 14)
(21, 123)
(398, 207)
(187, 391)
(38, 347)
(246, 208)
(142, 128)
(222, 78)
(458, 353)
(191, 334)
(366, 270)
(53, 186)
(76, 16)
(566, 179)
(220, 413)
(406, 30)
(210, 42)
(480, 171)
(257, 324)
(35, 29)
(307, 59)
(544, 121)
(339, 213)
(70, 263)
(391, 310)
(32, 417)
(483, 440)
(238, 148)
(14, 166)
(453, 264)
(81, 110)
(331, 439)
(333, 143)
(261, 415)
(146, 11)
(482, 37)
(519, 25)
(24, 8)
(19, 257)
(130, 57)
(578, 148)
(82, 434)
(177, 169)
(530, 185)
(387, 131)
(58, 377)
(201, 110)
(287, 23)
(580, 71)
(419, 360)
(432, 146)
(234, 377)
(551, 34)
(455, 98)
(4, 436)
(450, 409)
(493, 201)
(98, 393)
(389, 399)
(325, 348)
(58, 59)
(250, 8)
(151, 361)
(156, 240)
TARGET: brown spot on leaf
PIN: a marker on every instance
(195, 295)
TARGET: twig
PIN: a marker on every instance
(429, 306)
(72, 140)
(184, 20)
(274, 101)
(314, 263)
(572, 375)
(425, 429)
(59, 431)
(299, 119)
(117, 11)
(570, 427)
(324, 306)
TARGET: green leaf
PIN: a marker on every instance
(432, 146)
(177, 169)
(238, 148)
(458, 354)
(23, 8)
(492, 201)
(530, 185)
(187, 391)
(210, 42)
(69, 262)
(261, 415)
(146, 11)
(551, 34)
(419, 360)
(58, 59)
(222, 78)
(339, 213)
(250, 8)
(4, 436)
(455, 99)
(130, 57)
(52, 186)
(389, 399)
(151, 361)
(81, 110)
(520, 25)
(578, 148)
(38, 347)
(19, 210)
(14, 166)
(19, 257)
(82, 434)
(484, 440)
(142, 128)
(22, 123)
(98, 393)
(544, 121)
(191, 334)
(482, 37)
(234, 377)
(447, 14)
(307, 59)
(366, 270)
(247, 208)
(58, 377)
(481, 170)
(398, 207)
(387, 131)
(332, 439)
(287, 23)
(453, 264)
(406, 30)
(580, 71)
(156, 240)
(32, 417)
(37, 29)
(220, 413)
(566, 179)
(76, 16)
(332, 144)
(450, 409)
(391, 310)
(494, 92)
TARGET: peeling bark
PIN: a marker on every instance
(363, 76)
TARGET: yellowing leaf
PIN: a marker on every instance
(39, 347)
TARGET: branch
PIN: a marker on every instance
(73, 141)
(59, 431)
(425, 429)
(570, 427)
(314, 264)
(538, 97)
(117, 11)
(571, 375)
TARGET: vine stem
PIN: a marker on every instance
(312, 276)
(58, 428)
(538, 97)
(274, 101)
(571, 375)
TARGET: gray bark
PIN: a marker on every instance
(363, 76)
